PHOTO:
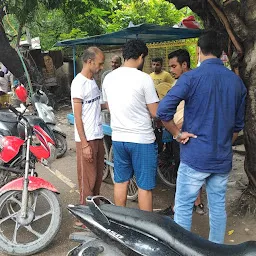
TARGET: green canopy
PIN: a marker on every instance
(149, 33)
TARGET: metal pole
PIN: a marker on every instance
(74, 60)
(26, 72)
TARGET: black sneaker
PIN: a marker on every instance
(168, 212)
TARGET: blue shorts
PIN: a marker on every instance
(135, 159)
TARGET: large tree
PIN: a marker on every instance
(9, 56)
(237, 21)
(24, 11)
(73, 19)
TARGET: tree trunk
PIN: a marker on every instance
(10, 58)
(241, 16)
(249, 77)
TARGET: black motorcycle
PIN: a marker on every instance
(125, 231)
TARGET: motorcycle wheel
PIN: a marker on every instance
(4, 177)
(27, 236)
(61, 144)
(132, 188)
(106, 166)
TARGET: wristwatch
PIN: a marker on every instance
(178, 136)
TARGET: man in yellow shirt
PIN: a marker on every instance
(159, 75)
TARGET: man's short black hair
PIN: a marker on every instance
(181, 55)
(134, 48)
(158, 59)
(209, 43)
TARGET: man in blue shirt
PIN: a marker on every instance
(214, 114)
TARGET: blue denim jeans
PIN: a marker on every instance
(189, 183)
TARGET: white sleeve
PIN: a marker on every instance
(77, 90)
(101, 98)
(150, 91)
(104, 95)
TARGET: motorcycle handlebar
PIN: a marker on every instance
(14, 110)
(17, 113)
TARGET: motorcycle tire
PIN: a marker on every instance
(132, 188)
(61, 144)
(106, 166)
(4, 177)
(13, 234)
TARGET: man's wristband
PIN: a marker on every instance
(178, 136)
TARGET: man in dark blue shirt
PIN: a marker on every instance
(214, 114)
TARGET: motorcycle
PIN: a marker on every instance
(10, 125)
(40, 102)
(126, 231)
(30, 213)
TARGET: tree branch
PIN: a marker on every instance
(10, 37)
(179, 4)
(234, 14)
(225, 21)
(200, 8)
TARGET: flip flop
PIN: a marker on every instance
(199, 209)
(81, 226)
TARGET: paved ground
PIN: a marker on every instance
(62, 174)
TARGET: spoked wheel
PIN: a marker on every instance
(26, 236)
(5, 177)
(61, 144)
(132, 188)
(106, 166)
(167, 167)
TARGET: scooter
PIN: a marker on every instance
(30, 213)
(125, 231)
(40, 102)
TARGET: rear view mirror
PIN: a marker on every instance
(21, 93)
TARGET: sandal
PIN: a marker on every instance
(199, 209)
(80, 225)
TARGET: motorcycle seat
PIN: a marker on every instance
(9, 123)
(176, 237)
(9, 117)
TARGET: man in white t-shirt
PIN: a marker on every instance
(132, 101)
(116, 62)
(85, 97)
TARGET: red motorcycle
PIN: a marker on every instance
(30, 213)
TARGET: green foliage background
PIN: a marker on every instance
(58, 20)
